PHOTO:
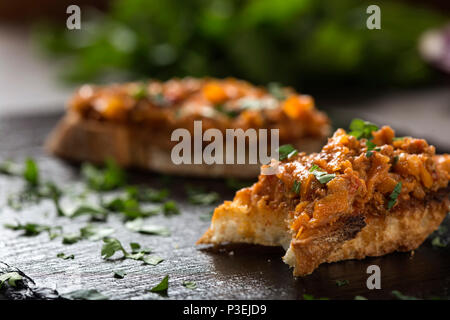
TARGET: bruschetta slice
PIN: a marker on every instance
(367, 193)
(133, 122)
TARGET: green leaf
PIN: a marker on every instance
(296, 186)
(140, 92)
(199, 196)
(286, 151)
(119, 274)
(161, 287)
(190, 284)
(95, 233)
(276, 90)
(30, 229)
(362, 129)
(63, 256)
(31, 172)
(138, 225)
(153, 260)
(91, 294)
(341, 283)
(11, 278)
(110, 247)
(394, 195)
(147, 194)
(360, 298)
(109, 178)
(437, 242)
(170, 208)
(311, 297)
(401, 296)
(321, 176)
(71, 238)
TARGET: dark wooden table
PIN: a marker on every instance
(233, 272)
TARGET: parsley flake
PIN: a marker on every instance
(161, 287)
(394, 195)
(362, 129)
(190, 284)
(321, 176)
(296, 186)
(286, 151)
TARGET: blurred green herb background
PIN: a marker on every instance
(304, 43)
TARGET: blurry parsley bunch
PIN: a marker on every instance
(304, 43)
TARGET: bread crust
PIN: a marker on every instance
(79, 139)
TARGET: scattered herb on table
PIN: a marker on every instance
(95, 233)
(199, 196)
(71, 238)
(190, 284)
(147, 194)
(11, 278)
(437, 242)
(91, 294)
(138, 225)
(153, 260)
(311, 297)
(30, 229)
(341, 283)
(119, 274)
(64, 256)
(161, 287)
(360, 298)
(401, 296)
(109, 178)
(170, 208)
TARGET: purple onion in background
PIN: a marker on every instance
(434, 46)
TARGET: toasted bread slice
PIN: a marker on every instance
(133, 123)
(352, 203)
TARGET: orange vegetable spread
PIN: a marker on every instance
(227, 103)
(397, 173)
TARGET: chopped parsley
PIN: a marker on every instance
(91, 294)
(286, 151)
(95, 233)
(199, 196)
(401, 296)
(235, 184)
(30, 229)
(140, 92)
(109, 178)
(311, 297)
(276, 90)
(296, 186)
(341, 283)
(437, 242)
(64, 256)
(229, 113)
(360, 298)
(371, 147)
(190, 284)
(395, 160)
(161, 287)
(138, 225)
(110, 247)
(152, 260)
(119, 274)
(129, 207)
(31, 173)
(11, 278)
(170, 208)
(362, 129)
(321, 176)
(71, 238)
(394, 195)
(147, 194)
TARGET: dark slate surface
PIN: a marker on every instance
(232, 272)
